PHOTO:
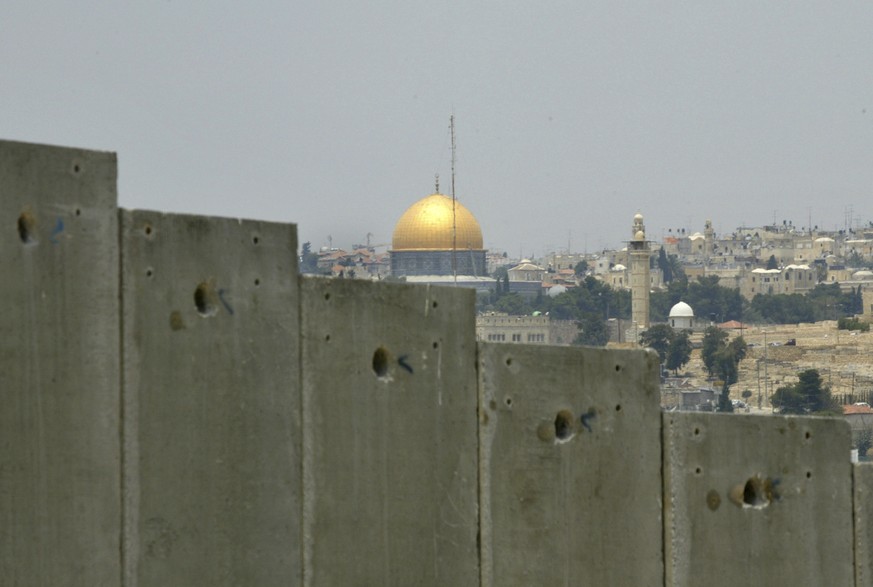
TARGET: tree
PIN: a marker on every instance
(679, 352)
(852, 324)
(664, 266)
(807, 396)
(772, 263)
(708, 298)
(308, 259)
(512, 304)
(563, 307)
(722, 359)
(593, 331)
(658, 337)
(581, 267)
(727, 360)
(676, 268)
(856, 260)
(713, 339)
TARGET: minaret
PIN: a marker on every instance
(638, 257)
(708, 240)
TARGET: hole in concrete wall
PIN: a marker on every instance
(256, 239)
(147, 229)
(755, 493)
(204, 300)
(508, 362)
(78, 212)
(257, 282)
(713, 499)
(77, 168)
(326, 338)
(618, 408)
(696, 431)
(436, 344)
(150, 272)
(435, 304)
(698, 471)
(327, 296)
(27, 228)
(564, 425)
(808, 435)
(380, 362)
(176, 320)
(809, 474)
(617, 368)
(508, 402)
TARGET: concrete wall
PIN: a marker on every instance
(756, 500)
(570, 466)
(178, 408)
(863, 500)
(60, 507)
(211, 401)
(389, 412)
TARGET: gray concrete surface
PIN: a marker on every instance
(863, 484)
(570, 466)
(754, 500)
(59, 449)
(389, 389)
(211, 402)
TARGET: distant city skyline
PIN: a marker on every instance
(570, 117)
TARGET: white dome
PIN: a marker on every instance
(681, 310)
(556, 290)
(619, 267)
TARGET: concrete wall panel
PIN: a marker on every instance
(389, 389)
(755, 500)
(863, 482)
(211, 401)
(60, 502)
(570, 466)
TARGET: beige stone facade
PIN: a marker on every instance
(496, 327)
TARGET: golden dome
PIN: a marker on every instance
(427, 225)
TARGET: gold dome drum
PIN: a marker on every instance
(427, 226)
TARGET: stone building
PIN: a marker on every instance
(788, 280)
(539, 329)
(526, 279)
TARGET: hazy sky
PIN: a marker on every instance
(571, 116)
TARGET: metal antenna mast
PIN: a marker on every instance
(454, 223)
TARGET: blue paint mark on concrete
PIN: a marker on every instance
(585, 418)
(227, 307)
(59, 228)
(402, 362)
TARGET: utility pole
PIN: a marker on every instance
(758, 377)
